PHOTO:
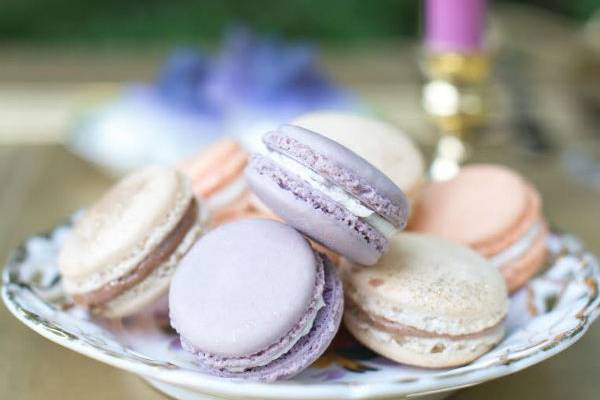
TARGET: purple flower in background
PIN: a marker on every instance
(250, 72)
(182, 80)
(268, 73)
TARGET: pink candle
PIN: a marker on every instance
(454, 25)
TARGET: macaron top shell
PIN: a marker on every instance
(380, 143)
(242, 287)
(342, 167)
(430, 284)
(126, 223)
(479, 204)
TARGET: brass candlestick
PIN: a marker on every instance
(456, 70)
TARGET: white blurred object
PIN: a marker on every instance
(137, 130)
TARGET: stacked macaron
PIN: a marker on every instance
(122, 253)
(328, 192)
(493, 210)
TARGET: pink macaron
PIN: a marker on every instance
(493, 210)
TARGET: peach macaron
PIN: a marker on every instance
(217, 178)
(493, 210)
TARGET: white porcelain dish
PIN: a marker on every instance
(546, 317)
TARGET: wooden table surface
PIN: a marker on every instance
(41, 183)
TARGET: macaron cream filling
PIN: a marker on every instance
(276, 350)
(396, 329)
(335, 192)
(159, 255)
(518, 248)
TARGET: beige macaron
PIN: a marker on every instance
(386, 147)
(428, 302)
(121, 254)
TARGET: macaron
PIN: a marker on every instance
(121, 255)
(382, 144)
(252, 300)
(217, 178)
(492, 209)
(328, 192)
(428, 302)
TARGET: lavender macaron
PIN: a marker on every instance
(252, 300)
(328, 192)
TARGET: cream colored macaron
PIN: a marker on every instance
(428, 303)
(121, 254)
(386, 147)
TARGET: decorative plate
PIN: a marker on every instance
(546, 317)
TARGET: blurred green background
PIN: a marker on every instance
(152, 22)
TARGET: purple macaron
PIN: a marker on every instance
(328, 192)
(253, 300)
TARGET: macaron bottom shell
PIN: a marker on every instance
(314, 214)
(426, 352)
(307, 349)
